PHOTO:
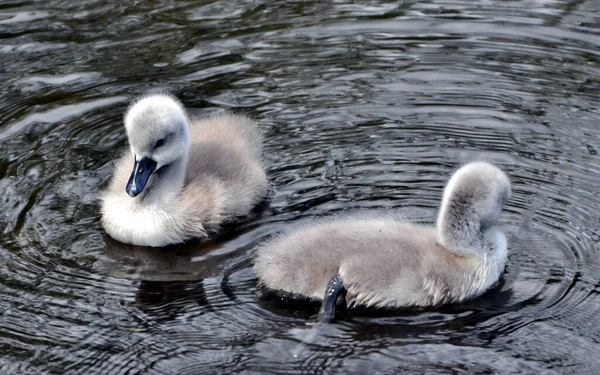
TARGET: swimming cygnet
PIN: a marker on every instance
(189, 175)
(386, 262)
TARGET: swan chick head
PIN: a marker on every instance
(472, 202)
(157, 128)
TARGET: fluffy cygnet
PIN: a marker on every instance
(386, 262)
(182, 177)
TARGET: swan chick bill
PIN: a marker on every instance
(386, 262)
(182, 177)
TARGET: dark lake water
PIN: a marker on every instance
(365, 106)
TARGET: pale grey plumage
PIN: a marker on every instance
(387, 262)
(208, 172)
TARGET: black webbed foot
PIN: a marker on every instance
(334, 289)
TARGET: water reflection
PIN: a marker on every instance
(173, 277)
(183, 262)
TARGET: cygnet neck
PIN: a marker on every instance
(166, 183)
(459, 228)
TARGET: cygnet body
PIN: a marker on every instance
(387, 262)
(189, 176)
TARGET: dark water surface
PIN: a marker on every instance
(365, 106)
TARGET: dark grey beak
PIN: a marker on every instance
(139, 177)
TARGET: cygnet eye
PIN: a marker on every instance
(159, 143)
